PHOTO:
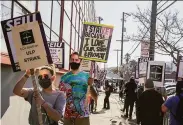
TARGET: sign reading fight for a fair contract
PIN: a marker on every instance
(26, 42)
(95, 42)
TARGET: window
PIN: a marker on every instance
(54, 37)
(47, 32)
(5, 14)
(59, 1)
(18, 11)
(45, 9)
(66, 61)
(56, 17)
(5, 10)
(73, 40)
(66, 29)
(28, 4)
(67, 7)
(74, 14)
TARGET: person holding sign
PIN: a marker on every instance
(51, 101)
(75, 84)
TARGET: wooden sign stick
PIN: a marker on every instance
(36, 90)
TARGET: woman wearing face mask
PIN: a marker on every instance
(51, 101)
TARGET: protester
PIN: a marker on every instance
(175, 105)
(130, 90)
(139, 92)
(107, 95)
(75, 84)
(149, 106)
(93, 96)
(51, 101)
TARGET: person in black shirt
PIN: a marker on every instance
(130, 90)
(149, 106)
(107, 95)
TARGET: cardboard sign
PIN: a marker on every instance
(57, 53)
(145, 49)
(85, 65)
(180, 68)
(156, 72)
(95, 42)
(142, 68)
(26, 42)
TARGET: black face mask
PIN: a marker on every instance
(45, 82)
(74, 66)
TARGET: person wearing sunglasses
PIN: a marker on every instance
(75, 84)
(52, 102)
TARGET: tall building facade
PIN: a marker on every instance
(62, 20)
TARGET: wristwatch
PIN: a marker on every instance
(26, 76)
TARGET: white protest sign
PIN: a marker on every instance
(145, 49)
(95, 42)
(85, 65)
(26, 42)
(156, 72)
(57, 53)
(142, 68)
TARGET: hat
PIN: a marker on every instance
(149, 84)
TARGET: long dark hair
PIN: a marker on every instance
(179, 87)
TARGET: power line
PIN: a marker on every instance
(132, 47)
(162, 5)
(139, 42)
(159, 2)
(167, 7)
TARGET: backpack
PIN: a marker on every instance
(179, 111)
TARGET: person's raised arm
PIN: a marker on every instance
(18, 89)
(90, 81)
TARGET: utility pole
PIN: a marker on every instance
(122, 32)
(117, 59)
(122, 38)
(153, 29)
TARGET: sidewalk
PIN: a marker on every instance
(112, 116)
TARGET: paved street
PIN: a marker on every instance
(112, 116)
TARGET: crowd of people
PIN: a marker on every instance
(151, 105)
(76, 97)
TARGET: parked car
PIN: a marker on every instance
(170, 91)
(170, 81)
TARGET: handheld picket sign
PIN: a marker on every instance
(36, 89)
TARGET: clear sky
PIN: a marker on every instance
(111, 12)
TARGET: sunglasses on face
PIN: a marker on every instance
(44, 76)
